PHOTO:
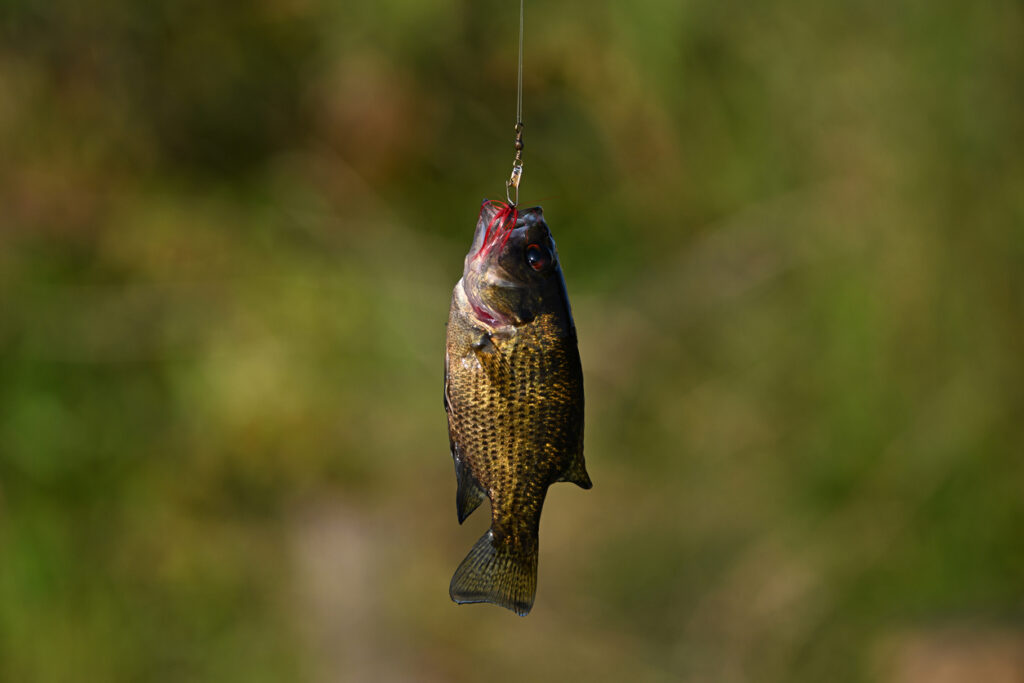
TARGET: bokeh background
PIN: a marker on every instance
(792, 234)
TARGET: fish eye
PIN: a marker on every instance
(537, 256)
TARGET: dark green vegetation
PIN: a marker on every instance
(792, 234)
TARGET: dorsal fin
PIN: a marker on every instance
(577, 473)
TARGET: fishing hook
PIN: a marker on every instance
(512, 186)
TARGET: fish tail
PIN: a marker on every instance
(499, 571)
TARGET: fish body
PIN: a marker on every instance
(513, 392)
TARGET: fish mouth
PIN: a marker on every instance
(494, 226)
(484, 275)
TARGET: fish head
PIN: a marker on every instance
(512, 273)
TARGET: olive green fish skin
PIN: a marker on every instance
(514, 398)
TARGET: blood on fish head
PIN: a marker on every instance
(511, 271)
(495, 224)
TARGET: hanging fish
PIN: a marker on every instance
(513, 391)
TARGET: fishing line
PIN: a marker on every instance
(519, 82)
(512, 186)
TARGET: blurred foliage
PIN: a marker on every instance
(792, 234)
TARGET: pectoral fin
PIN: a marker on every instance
(493, 362)
(470, 494)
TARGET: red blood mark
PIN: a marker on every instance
(484, 315)
(501, 223)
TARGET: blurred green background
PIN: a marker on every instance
(792, 235)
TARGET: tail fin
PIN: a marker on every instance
(500, 573)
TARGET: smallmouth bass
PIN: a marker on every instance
(513, 391)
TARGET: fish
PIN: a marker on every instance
(513, 393)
